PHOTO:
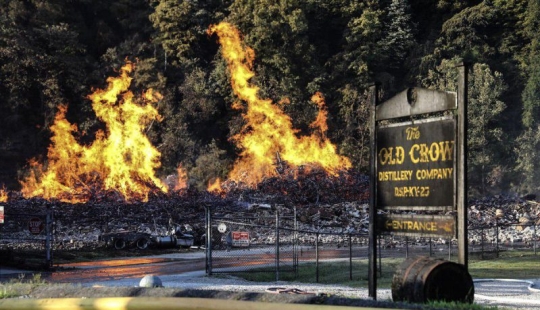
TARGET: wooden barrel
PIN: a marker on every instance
(422, 279)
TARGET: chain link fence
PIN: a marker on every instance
(250, 242)
(270, 242)
(21, 229)
(488, 242)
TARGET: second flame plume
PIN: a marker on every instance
(268, 130)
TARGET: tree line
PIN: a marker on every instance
(55, 52)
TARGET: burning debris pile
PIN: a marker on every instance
(80, 225)
(336, 202)
(120, 159)
(295, 187)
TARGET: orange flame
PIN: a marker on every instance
(181, 178)
(268, 130)
(320, 121)
(214, 186)
(3, 194)
(121, 159)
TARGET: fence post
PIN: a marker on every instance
(317, 257)
(406, 247)
(208, 240)
(350, 257)
(482, 242)
(449, 249)
(277, 244)
(48, 237)
(497, 239)
(534, 238)
(380, 257)
(295, 245)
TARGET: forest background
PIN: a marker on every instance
(56, 52)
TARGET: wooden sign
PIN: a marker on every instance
(418, 163)
(417, 225)
(415, 164)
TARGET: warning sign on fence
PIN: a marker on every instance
(240, 238)
(35, 226)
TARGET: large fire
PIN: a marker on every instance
(3, 194)
(121, 158)
(268, 131)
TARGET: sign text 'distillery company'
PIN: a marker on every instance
(415, 164)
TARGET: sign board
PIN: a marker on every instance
(413, 225)
(415, 164)
(1, 214)
(240, 238)
(418, 163)
(222, 228)
(35, 225)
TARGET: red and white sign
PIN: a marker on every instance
(240, 238)
(1, 214)
(35, 225)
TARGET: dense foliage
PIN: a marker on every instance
(55, 52)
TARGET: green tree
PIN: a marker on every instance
(399, 35)
(350, 71)
(528, 147)
(194, 113)
(485, 134)
(181, 29)
(485, 130)
(285, 65)
(40, 68)
(212, 163)
(492, 33)
(531, 64)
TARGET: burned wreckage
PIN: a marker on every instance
(307, 190)
(142, 240)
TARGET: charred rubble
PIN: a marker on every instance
(334, 200)
(334, 204)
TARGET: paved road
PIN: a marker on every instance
(520, 294)
(187, 270)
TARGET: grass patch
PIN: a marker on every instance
(337, 272)
(21, 286)
(509, 265)
(457, 306)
